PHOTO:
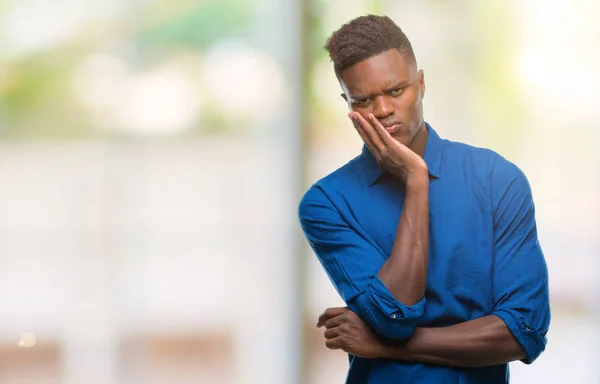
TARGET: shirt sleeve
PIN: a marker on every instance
(520, 278)
(352, 262)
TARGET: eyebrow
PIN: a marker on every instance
(400, 84)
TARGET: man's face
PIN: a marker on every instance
(390, 87)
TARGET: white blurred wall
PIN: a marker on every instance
(100, 243)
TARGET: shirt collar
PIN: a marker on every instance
(432, 157)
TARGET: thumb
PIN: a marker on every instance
(329, 313)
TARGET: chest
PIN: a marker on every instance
(460, 275)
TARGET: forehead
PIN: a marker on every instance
(381, 71)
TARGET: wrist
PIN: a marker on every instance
(418, 180)
(391, 349)
(382, 351)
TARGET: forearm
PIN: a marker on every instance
(405, 271)
(477, 343)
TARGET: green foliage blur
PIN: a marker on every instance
(37, 98)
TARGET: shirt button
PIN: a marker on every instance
(393, 315)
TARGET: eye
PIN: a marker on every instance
(396, 91)
(361, 102)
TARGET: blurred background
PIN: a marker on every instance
(153, 152)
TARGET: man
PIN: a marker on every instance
(432, 244)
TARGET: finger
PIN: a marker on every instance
(386, 137)
(383, 134)
(363, 135)
(371, 132)
(329, 313)
(334, 311)
(388, 140)
(332, 333)
(321, 321)
(334, 322)
(335, 343)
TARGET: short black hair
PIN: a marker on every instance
(363, 38)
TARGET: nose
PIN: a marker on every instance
(382, 107)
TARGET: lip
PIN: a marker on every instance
(391, 128)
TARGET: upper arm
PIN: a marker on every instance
(520, 279)
(352, 263)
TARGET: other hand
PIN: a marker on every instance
(346, 331)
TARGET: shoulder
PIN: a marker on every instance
(483, 161)
(480, 158)
(321, 193)
(347, 176)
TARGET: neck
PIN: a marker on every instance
(420, 140)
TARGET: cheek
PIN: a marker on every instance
(406, 105)
(417, 106)
(364, 112)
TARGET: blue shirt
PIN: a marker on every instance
(484, 255)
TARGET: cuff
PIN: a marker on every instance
(531, 340)
(386, 315)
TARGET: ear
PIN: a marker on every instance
(421, 79)
(344, 97)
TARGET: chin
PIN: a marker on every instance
(403, 137)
